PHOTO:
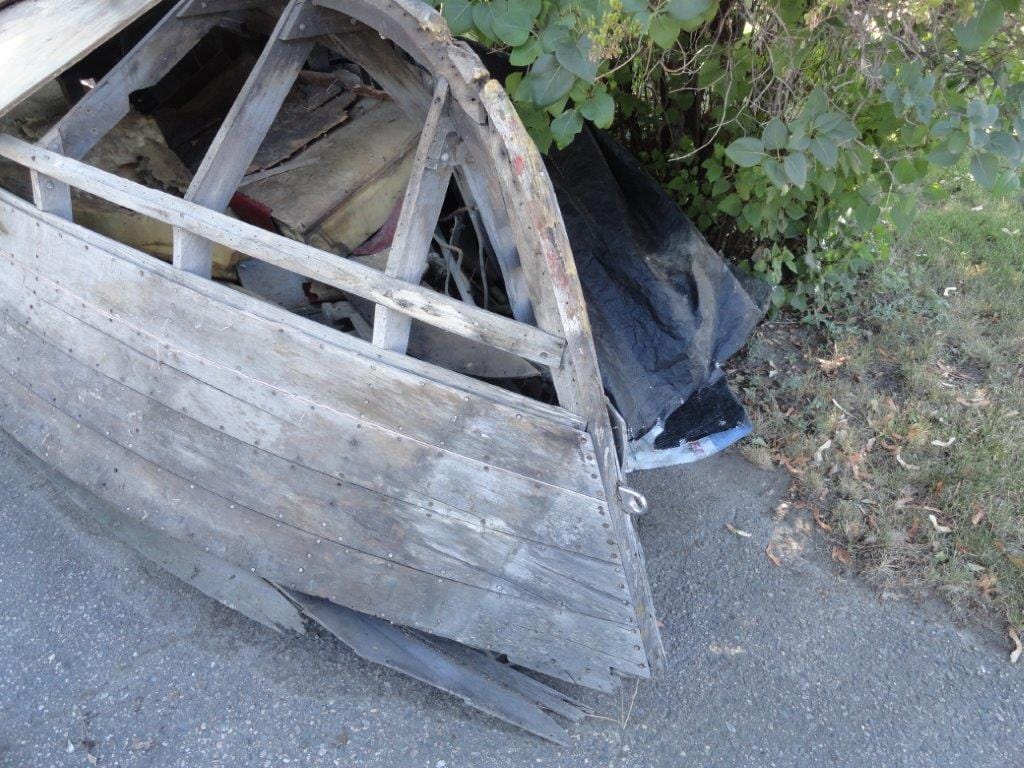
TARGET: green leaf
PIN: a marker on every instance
(775, 134)
(549, 81)
(798, 140)
(526, 54)
(985, 169)
(978, 30)
(688, 10)
(773, 170)
(902, 212)
(665, 30)
(752, 212)
(905, 172)
(599, 109)
(483, 19)
(824, 149)
(1008, 183)
(943, 157)
(575, 56)
(795, 166)
(745, 152)
(1006, 146)
(731, 205)
(565, 127)
(981, 114)
(512, 21)
(459, 15)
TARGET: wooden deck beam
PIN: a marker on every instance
(242, 133)
(421, 208)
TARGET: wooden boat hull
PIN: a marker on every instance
(340, 470)
(223, 421)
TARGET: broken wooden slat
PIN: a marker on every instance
(237, 588)
(42, 38)
(99, 110)
(241, 135)
(417, 302)
(413, 655)
(356, 176)
(421, 208)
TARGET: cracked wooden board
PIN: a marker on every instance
(42, 38)
(340, 468)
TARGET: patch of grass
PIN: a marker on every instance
(902, 419)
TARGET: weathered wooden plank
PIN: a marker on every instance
(474, 183)
(42, 38)
(558, 302)
(238, 589)
(414, 655)
(49, 234)
(258, 357)
(534, 690)
(572, 647)
(541, 239)
(421, 208)
(190, 8)
(242, 133)
(404, 82)
(485, 501)
(419, 303)
(422, 32)
(359, 519)
(102, 107)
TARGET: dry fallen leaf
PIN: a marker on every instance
(904, 464)
(141, 745)
(840, 555)
(821, 521)
(818, 458)
(979, 401)
(1018, 646)
(772, 556)
(939, 528)
(733, 529)
(978, 516)
(831, 366)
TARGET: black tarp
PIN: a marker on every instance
(665, 307)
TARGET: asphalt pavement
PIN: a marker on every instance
(106, 660)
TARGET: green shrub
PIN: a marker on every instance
(792, 132)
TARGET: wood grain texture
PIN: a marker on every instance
(99, 110)
(157, 449)
(42, 38)
(421, 209)
(518, 181)
(417, 302)
(241, 134)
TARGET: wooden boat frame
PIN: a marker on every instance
(115, 369)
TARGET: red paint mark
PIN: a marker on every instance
(519, 163)
(252, 212)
